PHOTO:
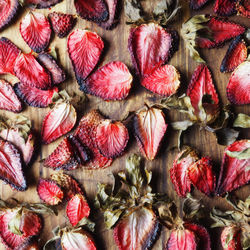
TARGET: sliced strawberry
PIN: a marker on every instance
(110, 82)
(92, 10)
(30, 243)
(197, 4)
(33, 96)
(233, 172)
(35, 31)
(61, 23)
(230, 238)
(149, 128)
(84, 48)
(236, 54)
(149, 46)
(179, 171)
(164, 81)
(225, 7)
(30, 72)
(42, 4)
(8, 54)
(49, 192)
(243, 8)
(112, 138)
(137, 230)
(238, 87)
(8, 99)
(222, 31)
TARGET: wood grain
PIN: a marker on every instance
(116, 49)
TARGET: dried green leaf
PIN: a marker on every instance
(241, 155)
(40, 208)
(90, 225)
(133, 11)
(226, 136)
(15, 222)
(245, 239)
(53, 52)
(59, 97)
(111, 217)
(53, 244)
(192, 208)
(242, 121)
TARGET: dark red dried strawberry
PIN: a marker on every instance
(238, 87)
(35, 31)
(62, 23)
(197, 4)
(84, 48)
(225, 7)
(230, 238)
(110, 82)
(164, 81)
(243, 8)
(8, 99)
(8, 54)
(42, 4)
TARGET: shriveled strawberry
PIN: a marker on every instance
(30, 72)
(225, 7)
(150, 47)
(58, 75)
(61, 23)
(30, 243)
(236, 54)
(238, 87)
(84, 48)
(8, 54)
(230, 238)
(42, 4)
(49, 192)
(112, 138)
(92, 10)
(233, 172)
(110, 82)
(8, 98)
(35, 31)
(243, 8)
(149, 127)
(33, 96)
(197, 4)
(165, 81)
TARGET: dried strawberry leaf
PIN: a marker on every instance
(14, 223)
(192, 208)
(133, 11)
(226, 136)
(242, 121)
(53, 244)
(241, 155)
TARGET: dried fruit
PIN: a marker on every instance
(42, 4)
(230, 238)
(35, 31)
(243, 8)
(197, 4)
(133, 11)
(30, 244)
(238, 87)
(225, 7)
(110, 82)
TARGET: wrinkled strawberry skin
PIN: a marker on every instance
(235, 243)
(197, 4)
(42, 4)
(225, 7)
(243, 8)
(31, 224)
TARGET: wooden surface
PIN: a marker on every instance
(116, 49)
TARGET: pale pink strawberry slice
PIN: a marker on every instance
(42, 4)
(231, 238)
(35, 31)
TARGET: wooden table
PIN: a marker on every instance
(116, 49)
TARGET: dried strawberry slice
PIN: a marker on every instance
(110, 82)
(136, 230)
(234, 234)
(164, 81)
(197, 4)
(238, 87)
(149, 128)
(84, 48)
(35, 31)
(92, 10)
(8, 99)
(150, 47)
(243, 8)
(31, 243)
(30, 72)
(233, 172)
(42, 4)
(112, 138)
(225, 7)
(8, 54)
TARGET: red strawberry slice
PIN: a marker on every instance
(231, 238)
(86, 133)
(238, 87)
(77, 209)
(149, 128)
(11, 170)
(225, 7)
(164, 81)
(112, 138)
(179, 171)
(236, 54)
(222, 31)
(202, 177)
(49, 63)
(243, 8)
(42, 4)
(84, 48)
(59, 121)
(8, 54)
(49, 192)
(110, 82)
(149, 46)
(8, 11)
(136, 230)
(33, 96)
(35, 31)
(30, 72)
(61, 23)
(197, 4)
(92, 10)
(233, 172)
(8, 99)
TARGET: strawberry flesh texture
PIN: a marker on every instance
(35, 31)
(197, 4)
(236, 54)
(225, 7)
(84, 49)
(110, 82)
(42, 4)
(238, 87)
(243, 8)
(233, 233)
(233, 172)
